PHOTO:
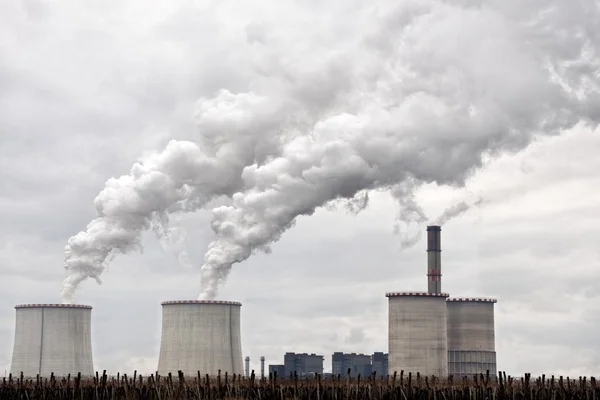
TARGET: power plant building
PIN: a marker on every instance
(200, 336)
(379, 362)
(433, 334)
(278, 369)
(303, 364)
(52, 338)
(428, 333)
(358, 364)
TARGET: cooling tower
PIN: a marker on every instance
(52, 338)
(471, 341)
(200, 336)
(417, 339)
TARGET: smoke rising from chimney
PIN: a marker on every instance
(426, 96)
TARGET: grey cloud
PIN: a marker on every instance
(355, 336)
(337, 304)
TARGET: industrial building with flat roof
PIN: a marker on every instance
(278, 369)
(301, 364)
(379, 363)
(359, 364)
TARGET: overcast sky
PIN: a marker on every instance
(86, 88)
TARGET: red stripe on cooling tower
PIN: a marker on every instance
(231, 303)
(53, 306)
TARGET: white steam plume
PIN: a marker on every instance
(457, 84)
(455, 211)
(421, 97)
(236, 130)
(410, 215)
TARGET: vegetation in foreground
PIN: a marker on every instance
(394, 387)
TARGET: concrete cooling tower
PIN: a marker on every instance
(52, 338)
(200, 335)
(471, 339)
(417, 339)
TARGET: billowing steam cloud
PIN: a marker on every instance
(183, 177)
(427, 96)
(237, 130)
(462, 84)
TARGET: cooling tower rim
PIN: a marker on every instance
(415, 294)
(48, 305)
(215, 302)
(472, 300)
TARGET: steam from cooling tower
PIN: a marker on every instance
(239, 129)
(428, 94)
(432, 118)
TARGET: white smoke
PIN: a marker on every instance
(183, 177)
(455, 211)
(410, 215)
(461, 84)
(172, 238)
(424, 97)
(236, 130)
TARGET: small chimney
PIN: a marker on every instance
(434, 259)
(262, 366)
(247, 367)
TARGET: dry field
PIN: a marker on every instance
(397, 387)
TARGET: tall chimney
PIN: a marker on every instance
(247, 366)
(434, 259)
(262, 366)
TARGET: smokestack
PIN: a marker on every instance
(52, 338)
(262, 366)
(434, 259)
(247, 367)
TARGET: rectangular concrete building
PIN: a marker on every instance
(379, 362)
(358, 364)
(303, 364)
(277, 368)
